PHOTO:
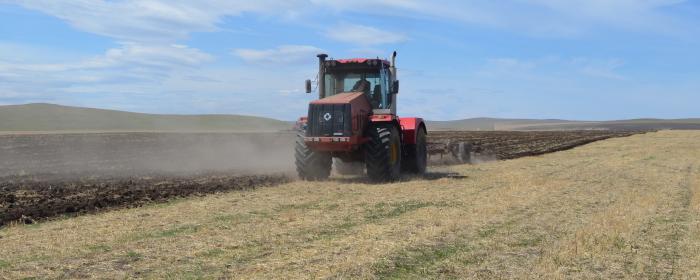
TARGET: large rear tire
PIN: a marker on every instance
(383, 153)
(312, 166)
(416, 156)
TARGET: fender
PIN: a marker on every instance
(409, 127)
(388, 118)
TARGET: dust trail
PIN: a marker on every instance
(477, 158)
(129, 154)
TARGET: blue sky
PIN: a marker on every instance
(573, 59)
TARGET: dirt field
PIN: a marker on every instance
(47, 175)
(135, 154)
(492, 145)
(620, 208)
(26, 200)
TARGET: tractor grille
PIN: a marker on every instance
(327, 120)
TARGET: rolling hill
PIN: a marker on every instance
(57, 118)
(554, 124)
(492, 124)
(50, 117)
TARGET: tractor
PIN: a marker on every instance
(354, 120)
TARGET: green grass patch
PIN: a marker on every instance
(299, 206)
(212, 253)
(196, 270)
(4, 264)
(473, 259)
(99, 248)
(334, 230)
(492, 229)
(184, 229)
(262, 214)
(483, 233)
(231, 218)
(37, 258)
(417, 262)
(391, 210)
(179, 230)
(312, 205)
(528, 242)
(252, 250)
(619, 242)
(332, 206)
(132, 256)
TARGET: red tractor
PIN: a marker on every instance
(354, 120)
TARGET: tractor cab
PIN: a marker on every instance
(369, 76)
(375, 78)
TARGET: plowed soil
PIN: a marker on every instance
(503, 145)
(56, 174)
(26, 199)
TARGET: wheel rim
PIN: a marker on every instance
(394, 153)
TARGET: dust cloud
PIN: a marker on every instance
(134, 154)
(477, 158)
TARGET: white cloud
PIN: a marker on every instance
(600, 68)
(367, 52)
(173, 20)
(155, 55)
(497, 68)
(128, 55)
(159, 79)
(363, 35)
(286, 54)
(545, 69)
(535, 17)
(132, 66)
(153, 20)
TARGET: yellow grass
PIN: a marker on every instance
(620, 208)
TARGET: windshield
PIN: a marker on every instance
(374, 85)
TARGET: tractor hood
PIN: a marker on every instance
(341, 98)
(340, 115)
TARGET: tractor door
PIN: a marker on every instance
(382, 93)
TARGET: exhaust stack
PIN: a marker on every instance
(393, 82)
(321, 73)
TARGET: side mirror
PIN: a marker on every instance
(395, 87)
(308, 86)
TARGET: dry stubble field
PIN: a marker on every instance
(620, 208)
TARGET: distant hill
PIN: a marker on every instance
(554, 124)
(57, 118)
(491, 124)
(634, 124)
(50, 117)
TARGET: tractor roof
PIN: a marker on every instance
(361, 60)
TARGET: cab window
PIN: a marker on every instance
(373, 85)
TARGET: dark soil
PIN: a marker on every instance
(43, 176)
(26, 199)
(502, 145)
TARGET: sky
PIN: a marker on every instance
(565, 59)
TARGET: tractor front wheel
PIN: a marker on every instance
(312, 166)
(383, 153)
